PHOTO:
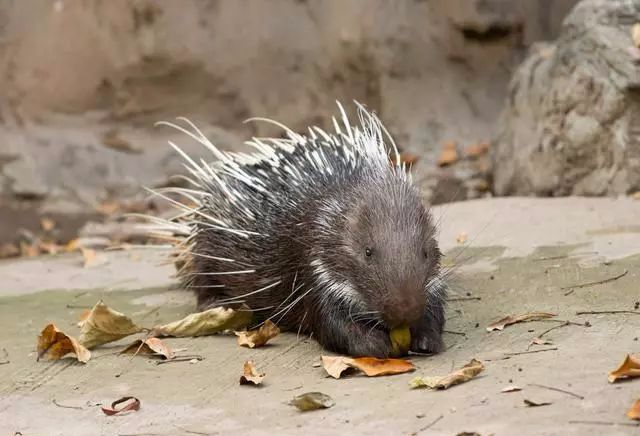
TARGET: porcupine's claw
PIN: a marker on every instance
(426, 336)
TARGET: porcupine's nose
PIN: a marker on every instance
(403, 307)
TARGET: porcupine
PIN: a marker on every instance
(322, 233)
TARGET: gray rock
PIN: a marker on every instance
(571, 124)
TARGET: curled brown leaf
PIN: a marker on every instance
(511, 319)
(54, 344)
(149, 347)
(259, 337)
(464, 374)
(132, 404)
(630, 367)
(634, 412)
(251, 375)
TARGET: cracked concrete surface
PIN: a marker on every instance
(524, 255)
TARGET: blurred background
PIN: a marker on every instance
(485, 97)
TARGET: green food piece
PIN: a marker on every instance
(400, 340)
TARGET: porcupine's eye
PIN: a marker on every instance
(368, 252)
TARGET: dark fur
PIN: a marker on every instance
(327, 223)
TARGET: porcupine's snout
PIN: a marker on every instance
(404, 305)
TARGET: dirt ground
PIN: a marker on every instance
(524, 255)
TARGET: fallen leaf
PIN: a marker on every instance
(8, 250)
(251, 376)
(511, 388)
(539, 341)
(83, 317)
(334, 365)
(475, 150)
(312, 401)
(149, 347)
(448, 154)
(113, 140)
(370, 366)
(508, 320)
(54, 344)
(400, 340)
(464, 374)
(373, 367)
(407, 158)
(634, 412)
(635, 34)
(629, 368)
(132, 404)
(105, 325)
(47, 224)
(257, 338)
(204, 323)
(636, 195)
(461, 238)
(530, 403)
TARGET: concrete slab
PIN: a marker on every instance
(524, 255)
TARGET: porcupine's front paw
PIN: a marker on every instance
(426, 336)
(371, 343)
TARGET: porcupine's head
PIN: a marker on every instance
(380, 256)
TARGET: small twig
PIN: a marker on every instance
(564, 324)
(65, 406)
(628, 424)
(180, 359)
(463, 298)
(598, 282)
(581, 324)
(428, 426)
(191, 431)
(453, 332)
(531, 352)
(551, 388)
(77, 306)
(601, 312)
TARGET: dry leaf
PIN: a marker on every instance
(370, 366)
(204, 323)
(634, 412)
(373, 367)
(53, 345)
(400, 340)
(149, 347)
(250, 375)
(508, 320)
(530, 403)
(312, 401)
(448, 155)
(334, 365)
(629, 368)
(464, 374)
(407, 158)
(512, 388)
(47, 224)
(83, 317)
(113, 140)
(257, 338)
(132, 404)
(539, 341)
(461, 238)
(105, 325)
(636, 195)
(8, 250)
(475, 150)
(635, 34)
